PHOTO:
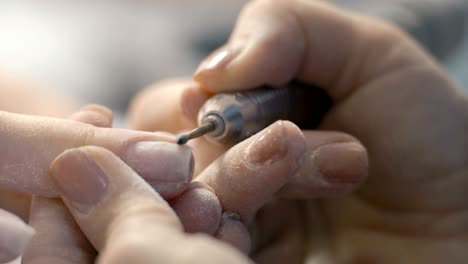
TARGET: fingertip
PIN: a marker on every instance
(167, 167)
(342, 162)
(335, 164)
(95, 115)
(15, 236)
(199, 209)
(266, 47)
(105, 111)
(282, 139)
(249, 174)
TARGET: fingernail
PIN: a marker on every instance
(15, 237)
(234, 232)
(219, 60)
(98, 109)
(79, 178)
(198, 209)
(165, 166)
(95, 115)
(269, 146)
(342, 162)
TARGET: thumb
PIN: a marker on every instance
(276, 41)
(124, 218)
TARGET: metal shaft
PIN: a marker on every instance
(197, 132)
(232, 117)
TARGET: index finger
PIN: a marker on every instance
(31, 143)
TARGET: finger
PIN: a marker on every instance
(275, 41)
(123, 217)
(335, 164)
(96, 115)
(233, 231)
(173, 106)
(376, 76)
(159, 107)
(15, 236)
(250, 173)
(31, 143)
(198, 209)
(58, 238)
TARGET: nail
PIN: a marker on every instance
(234, 232)
(219, 60)
(98, 109)
(269, 146)
(199, 209)
(95, 115)
(79, 178)
(342, 162)
(15, 236)
(166, 166)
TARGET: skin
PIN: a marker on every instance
(396, 209)
(55, 227)
(388, 94)
(130, 222)
(47, 213)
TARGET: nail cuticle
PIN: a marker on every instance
(230, 216)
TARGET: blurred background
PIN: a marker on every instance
(77, 52)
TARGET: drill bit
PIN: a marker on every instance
(197, 132)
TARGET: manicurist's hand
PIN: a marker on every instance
(388, 94)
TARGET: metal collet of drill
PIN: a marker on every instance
(229, 118)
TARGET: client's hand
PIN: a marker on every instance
(122, 215)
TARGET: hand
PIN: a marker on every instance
(37, 139)
(54, 230)
(123, 217)
(59, 239)
(388, 94)
(30, 144)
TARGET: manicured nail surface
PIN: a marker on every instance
(14, 236)
(342, 162)
(79, 178)
(198, 209)
(165, 166)
(234, 232)
(219, 60)
(269, 147)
